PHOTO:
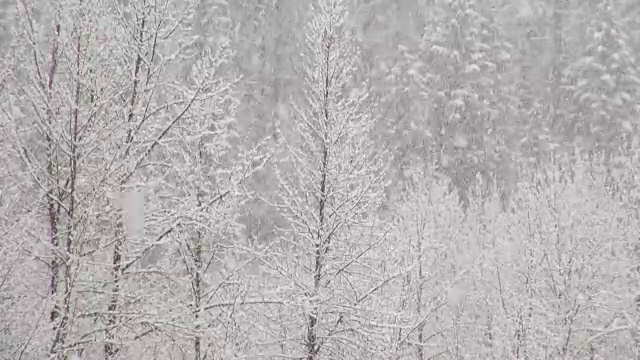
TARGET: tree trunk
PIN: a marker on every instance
(321, 247)
(53, 208)
(197, 288)
(419, 300)
(559, 7)
(109, 348)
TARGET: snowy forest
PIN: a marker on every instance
(319, 179)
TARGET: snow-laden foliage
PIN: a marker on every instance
(462, 63)
(554, 277)
(603, 85)
(430, 247)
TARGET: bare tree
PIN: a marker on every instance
(90, 113)
(331, 187)
(428, 246)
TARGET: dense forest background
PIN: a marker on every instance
(326, 179)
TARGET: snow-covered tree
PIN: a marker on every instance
(568, 248)
(204, 190)
(604, 85)
(462, 63)
(429, 247)
(330, 189)
(98, 115)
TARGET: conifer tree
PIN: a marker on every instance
(604, 85)
(463, 60)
